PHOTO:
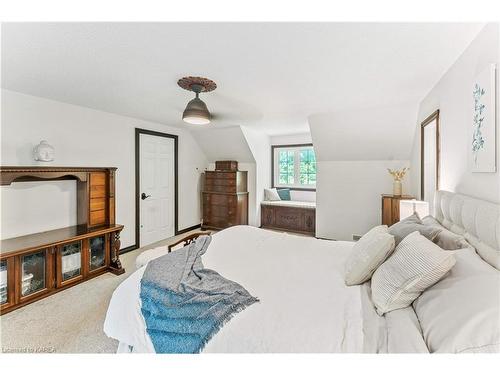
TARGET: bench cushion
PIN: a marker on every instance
(299, 204)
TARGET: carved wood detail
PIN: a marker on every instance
(292, 219)
(187, 240)
(115, 264)
(206, 84)
(34, 173)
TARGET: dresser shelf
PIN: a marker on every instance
(37, 265)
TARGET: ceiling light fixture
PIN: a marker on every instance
(196, 111)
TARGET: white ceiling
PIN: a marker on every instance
(272, 76)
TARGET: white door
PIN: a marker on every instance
(156, 188)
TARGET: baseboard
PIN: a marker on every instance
(181, 231)
(127, 249)
(324, 238)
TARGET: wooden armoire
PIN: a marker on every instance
(225, 199)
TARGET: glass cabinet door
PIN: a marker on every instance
(97, 251)
(4, 276)
(33, 273)
(71, 261)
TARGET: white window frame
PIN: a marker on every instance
(276, 173)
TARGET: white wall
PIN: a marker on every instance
(228, 143)
(31, 207)
(291, 139)
(259, 144)
(379, 133)
(83, 137)
(349, 196)
(352, 165)
(452, 95)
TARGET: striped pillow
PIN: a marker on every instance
(416, 264)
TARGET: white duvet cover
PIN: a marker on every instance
(304, 304)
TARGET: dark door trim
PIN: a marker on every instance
(138, 132)
(427, 121)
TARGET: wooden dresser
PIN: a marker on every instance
(390, 208)
(37, 265)
(225, 199)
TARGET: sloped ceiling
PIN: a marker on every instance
(270, 76)
(223, 144)
(384, 133)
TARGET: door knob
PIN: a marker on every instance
(144, 196)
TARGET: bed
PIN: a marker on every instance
(305, 305)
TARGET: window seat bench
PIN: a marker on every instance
(290, 216)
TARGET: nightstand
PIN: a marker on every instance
(390, 208)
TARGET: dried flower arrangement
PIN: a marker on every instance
(398, 176)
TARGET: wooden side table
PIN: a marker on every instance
(390, 208)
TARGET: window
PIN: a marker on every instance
(294, 166)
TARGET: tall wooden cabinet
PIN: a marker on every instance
(225, 199)
(390, 208)
(37, 265)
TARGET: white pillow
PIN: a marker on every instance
(271, 195)
(367, 254)
(377, 229)
(461, 313)
(416, 264)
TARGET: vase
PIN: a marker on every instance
(397, 188)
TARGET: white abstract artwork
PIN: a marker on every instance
(483, 139)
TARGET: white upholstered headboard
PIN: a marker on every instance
(477, 220)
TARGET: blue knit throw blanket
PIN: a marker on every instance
(185, 304)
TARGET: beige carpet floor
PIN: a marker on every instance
(70, 321)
